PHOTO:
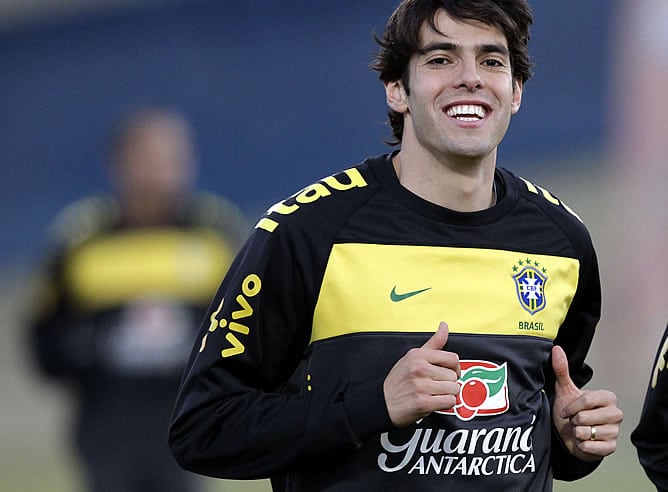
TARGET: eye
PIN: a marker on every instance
(493, 62)
(439, 60)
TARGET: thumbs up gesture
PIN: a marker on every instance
(423, 381)
(587, 421)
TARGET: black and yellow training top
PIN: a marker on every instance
(116, 308)
(650, 436)
(336, 284)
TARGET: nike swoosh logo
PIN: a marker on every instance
(395, 297)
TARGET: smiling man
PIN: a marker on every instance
(456, 100)
(419, 321)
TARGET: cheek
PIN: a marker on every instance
(424, 96)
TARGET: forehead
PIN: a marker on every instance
(461, 32)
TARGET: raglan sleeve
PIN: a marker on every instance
(575, 337)
(44, 316)
(61, 341)
(241, 410)
(61, 347)
(650, 437)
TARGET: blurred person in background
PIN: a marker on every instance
(650, 437)
(127, 279)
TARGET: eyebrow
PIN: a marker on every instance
(482, 49)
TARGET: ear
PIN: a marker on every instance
(396, 97)
(518, 86)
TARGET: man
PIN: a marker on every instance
(650, 437)
(318, 364)
(127, 281)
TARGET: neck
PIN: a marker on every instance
(460, 186)
(148, 213)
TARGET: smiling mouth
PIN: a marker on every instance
(467, 112)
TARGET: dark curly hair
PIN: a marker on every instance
(401, 38)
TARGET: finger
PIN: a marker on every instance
(560, 366)
(446, 368)
(595, 408)
(438, 339)
(604, 432)
(595, 450)
(565, 390)
(439, 357)
(444, 365)
(443, 387)
(442, 402)
(598, 443)
(598, 416)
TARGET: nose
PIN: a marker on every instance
(468, 76)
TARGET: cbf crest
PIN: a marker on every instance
(530, 285)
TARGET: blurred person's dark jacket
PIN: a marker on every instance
(650, 437)
(117, 308)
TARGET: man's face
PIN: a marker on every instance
(461, 91)
(157, 163)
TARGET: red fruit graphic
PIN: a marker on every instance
(464, 413)
(483, 390)
(474, 393)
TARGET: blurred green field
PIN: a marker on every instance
(48, 466)
(34, 415)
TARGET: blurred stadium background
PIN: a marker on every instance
(280, 94)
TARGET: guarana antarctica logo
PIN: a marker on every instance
(484, 390)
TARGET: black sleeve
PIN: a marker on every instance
(242, 411)
(61, 347)
(575, 337)
(650, 437)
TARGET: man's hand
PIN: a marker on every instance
(423, 381)
(587, 421)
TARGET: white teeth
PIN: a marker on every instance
(467, 112)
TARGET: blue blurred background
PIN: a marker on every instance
(280, 94)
